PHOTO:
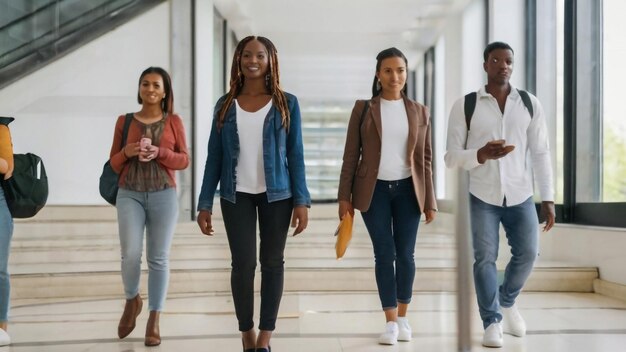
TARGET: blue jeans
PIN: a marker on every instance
(392, 220)
(6, 232)
(520, 223)
(157, 213)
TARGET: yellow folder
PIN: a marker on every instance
(344, 235)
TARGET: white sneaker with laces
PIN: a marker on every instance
(512, 322)
(493, 336)
(5, 339)
(404, 329)
(390, 336)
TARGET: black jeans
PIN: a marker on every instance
(240, 221)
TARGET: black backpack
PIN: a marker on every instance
(26, 191)
(470, 104)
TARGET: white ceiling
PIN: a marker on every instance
(327, 48)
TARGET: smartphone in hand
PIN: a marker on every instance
(144, 144)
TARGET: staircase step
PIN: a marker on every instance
(74, 251)
(86, 284)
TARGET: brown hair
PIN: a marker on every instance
(272, 80)
(385, 54)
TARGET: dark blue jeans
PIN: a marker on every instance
(392, 220)
(240, 221)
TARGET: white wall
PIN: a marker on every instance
(465, 38)
(567, 245)
(587, 246)
(440, 113)
(547, 56)
(506, 24)
(473, 45)
(203, 87)
(65, 112)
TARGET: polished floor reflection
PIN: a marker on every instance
(67, 294)
(345, 321)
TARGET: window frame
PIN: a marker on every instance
(572, 210)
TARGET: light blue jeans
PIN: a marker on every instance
(520, 223)
(6, 232)
(157, 213)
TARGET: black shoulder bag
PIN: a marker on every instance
(109, 180)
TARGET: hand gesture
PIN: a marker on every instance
(344, 207)
(547, 211)
(300, 219)
(149, 153)
(494, 150)
(429, 215)
(132, 150)
(204, 222)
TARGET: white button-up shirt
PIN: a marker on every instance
(510, 176)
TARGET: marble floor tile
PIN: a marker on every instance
(344, 321)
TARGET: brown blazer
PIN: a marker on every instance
(361, 155)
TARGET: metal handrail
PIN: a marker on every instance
(61, 39)
(30, 14)
(58, 27)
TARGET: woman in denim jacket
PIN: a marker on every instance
(255, 153)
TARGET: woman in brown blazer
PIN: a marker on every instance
(387, 175)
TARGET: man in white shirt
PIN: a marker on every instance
(497, 143)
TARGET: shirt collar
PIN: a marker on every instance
(482, 92)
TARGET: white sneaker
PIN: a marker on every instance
(5, 339)
(512, 322)
(404, 329)
(390, 336)
(493, 335)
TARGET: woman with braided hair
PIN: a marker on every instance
(255, 153)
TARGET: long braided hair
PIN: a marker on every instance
(272, 80)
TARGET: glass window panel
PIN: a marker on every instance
(588, 101)
(558, 175)
(614, 123)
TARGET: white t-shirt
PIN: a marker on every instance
(394, 164)
(249, 172)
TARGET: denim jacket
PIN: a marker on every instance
(283, 157)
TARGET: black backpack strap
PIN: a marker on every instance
(526, 100)
(6, 120)
(128, 119)
(468, 107)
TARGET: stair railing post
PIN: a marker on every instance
(464, 262)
